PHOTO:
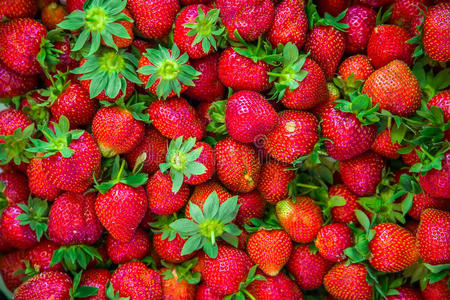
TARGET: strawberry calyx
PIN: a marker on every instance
(206, 29)
(59, 84)
(112, 295)
(182, 271)
(170, 68)
(208, 225)
(181, 161)
(419, 51)
(15, 146)
(347, 85)
(430, 83)
(262, 51)
(135, 105)
(78, 291)
(3, 197)
(35, 214)
(162, 225)
(383, 16)
(35, 111)
(314, 18)
(48, 56)
(426, 274)
(243, 293)
(74, 257)
(217, 113)
(269, 222)
(361, 106)
(98, 21)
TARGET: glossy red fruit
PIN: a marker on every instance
(170, 250)
(38, 183)
(406, 292)
(12, 119)
(46, 285)
(52, 15)
(348, 282)
(12, 9)
(332, 7)
(275, 287)
(13, 84)
(72, 220)
(436, 34)
(384, 146)
(205, 293)
(404, 11)
(16, 235)
(252, 206)
(346, 213)
(358, 65)
(72, 5)
(121, 252)
(423, 201)
(437, 290)
(16, 190)
(176, 287)
(11, 263)
(41, 255)
(274, 180)
(307, 268)
(437, 182)
(332, 240)
(442, 100)
(98, 278)
(361, 21)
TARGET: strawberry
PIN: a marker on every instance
(395, 88)
(249, 115)
(16, 187)
(423, 201)
(135, 280)
(404, 11)
(276, 287)
(411, 158)
(4, 246)
(384, 146)
(12, 119)
(252, 205)
(11, 263)
(250, 18)
(15, 234)
(153, 18)
(348, 282)
(72, 5)
(302, 219)
(435, 182)
(435, 32)
(40, 256)
(433, 238)
(47, 285)
(179, 282)
(189, 2)
(98, 278)
(332, 7)
(168, 244)
(375, 3)
(361, 21)
(294, 136)
(122, 252)
(176, 111)
(332, 240)
(307, 268)
(442, 100)
(38, 183)
(53, 14)
(290, 24)
(406, 292)
(12, 9)
(388, 43)
(274, 180)
(437, 290)
(345, 213)
(203, 292)
(13, 84)
(21, 56)
(238, 166)
(207, 87)
(393, 248)
(348, 136)
(358, 65)
(270, 250)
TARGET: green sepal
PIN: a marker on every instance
(78, 291)
(360, 251)
(183, 271)
(3, 198)
(14, 147)
(134, 106)
(75, 257)
(430, 82)
(243, 293)
(59, 85)
(262, 51)
(328, 20)
(35, 214)
(217, 113)
(48, 56)
(361, 106)
(383, 16)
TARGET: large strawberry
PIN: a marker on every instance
(345, 213)
(274, 180)
(332, 240)
(435, 32)
(38, 183)
(40, 257)
(13, 84)
(437, 182)
(423, 201)
(97, 278)
(404, 11)
(11, 263)
(361, 21)
(18, 9)
(15, 188)
(47, 285)
(348, 282)
(122, 252)
(252, 205)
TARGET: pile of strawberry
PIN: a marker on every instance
(225, 149)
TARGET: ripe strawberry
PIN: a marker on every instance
(251, 18)
(4, 246)
(12, 119)
(362, 174)
(423, 201)
(98, 278)
(276, 287)
(393, 248)
(122, 252)
(437, 182)
(170, 250)
(348, 282)
(41, 255)
(12, 9)
(345, 213)
(395, 88)
(274, 180)
(38, 183)
(437, 290)
(252, 206)
(290, 24)
(411, 158)
(72, 5)
(189, 2)
(16, 235)
(361, 21)
(52, 15)
(433, 236)
(21, 56)
(332, 240)
(332, 7)
(176, 111)
(13, 84)
(153, 18)
(302, 219)
(47, 285)
(435, 32)
(178, 282)
(406, 292)
(348, 136)
(307, 268)
(203, 292)
(238, 166)
(388, 43)
(16, 187)
(404, 11)
(135, 280)
(270, 250)
(375, 3)
(358, 65)
(207, 87)
(442, 100)
(11, 263)
(384, 146)
(294, 136)
(121, 210)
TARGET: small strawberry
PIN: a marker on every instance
(15, 188)
(9, 265)
(442, 100)
(178, 282)
(12, 9)
(411, 158)
(375, 3)
(332, 240)
(97, 278)
(437, 290)
(74, 5)
(52, 15)
(276, 287)
(121, 252)
(358, 65)
(406, 292)
(404, 11)
(252, 205)
(348, 282)
(384, 146)
(273, 181)
(435, 32)
(47, 285)
(361, 21)
(345, 213)
(13, 84)
(40, 257)
(332, 7)
(38, 183)
(203, 292)
(437, 182)
(423, 201)
(13, 231)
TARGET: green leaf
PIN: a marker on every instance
(362, 219)
(184, 225)
(194, 243)
(211, 206)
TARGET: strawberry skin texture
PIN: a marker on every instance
(177, 288)
(170, 250)
(153, 18)
(252, 206)
(47, 285)
(423, 201)
(348, 282)
(442, 100)
(346, 213)
(358, 65)
(13, 9)
(12, 119)
(242, 73)
(274, 180)
(41, 255)
(205, 293)
(404, 11)
(384, 146)
(174, 117)
(436, 36)
(38, 183)
(290, 24)
(349, 137)
(20, 41)
(161, 200)
(361, 21)
(433, 236)
(437, 182)
(53, 14)
(135, 280)
(406, 292)
(332, 240)
(72, 5)
(270, 250)
(9, 264)
(307, 268)
(249, 115)
(207, 159)
(96, 278)
(224, 273)
(437, 290)
(302, 219)
(72, 220)
(275, 287)
(136, 248)
(332, 7)
(16, 190)
(294, 136)
(16, 235)
(238, 166)
(13, 84)
(393, 248)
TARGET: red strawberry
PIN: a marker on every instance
(153, 18)
(19, 236)
(47, 285)
(12, 119)
(205, 293)
(348, 136)
(13, 84)
(294, 136)
(122, 252)
(404, 11)
(21, 56)
(437, 290)
(290, 24)
(9, 265)
(442, 100)
(252, 206)
(4, 246)
(348, 282)
(332, 240)
(98, 278)
(307, 268)
(12, 9)
(121, 210)
(270, 250)
(238, 166)
(362, 174)
(72, 220)
(395, 88)
(302, 219)
(384, 146)
(165, 114)
(358, 65)
(345, 213)
(423, 201)
(375, 3)
(170, 250)
(41, 255)
(411, 158)
(251, 18)
(437, 182)
(274, 180)
(276, 287)
(249, 115)
(332, 7)
(406, 292)
(388, 43)
(433, 236)
(436, 34)
(74, 5)
(178, 283)
(393, 248)
(188, 2)
(53, 14)
(38, 183)
(135, 280)
(361, 21)
(16, 187)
